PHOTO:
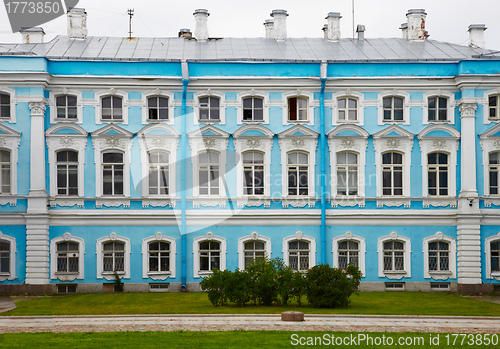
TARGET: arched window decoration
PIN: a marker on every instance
(253, 173)
(112, 173)
(208, 173)
(5, 171)
(159, 173)
(298, 173)
(67, 172)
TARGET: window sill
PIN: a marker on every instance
(439, 201)
(158, 201)
(113, 273)
(157, 120)
(67, 201)
(159, 275)
(393, 201)
(64, 273)
(394, 274)
(298, 201)
(114, 201)
(213, 121)
(348, 201)
(65, 119)
(491, 200)
(347, 121)
(112, 120)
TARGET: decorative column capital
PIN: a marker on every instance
(468, 110)
(37, 108)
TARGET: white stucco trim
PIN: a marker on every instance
(362, 249)
(489, 144)
(157, 93)
(487, 253)
(241, 247)
(253, 93)
(13, 102)
(394, 275)
(308, 96)
(299, 236)
(222, 106)
(406, 107)
(10, 140)
(361, 107)
(452, 258)
(53, 108)
(158, 275)
(111, 93)
(485, 102)
(12, 258)
(53, 258)
(99, 253)
(196, 255)
(450, 108)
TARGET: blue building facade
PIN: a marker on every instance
(160, 159)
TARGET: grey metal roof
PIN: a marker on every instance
(246, 49)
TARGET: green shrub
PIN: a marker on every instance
(299, 284)
(331, 287)
(263, 276)
(215, 285)
(237, 287)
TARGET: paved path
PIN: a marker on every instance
(359, 323)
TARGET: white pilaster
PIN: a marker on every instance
(468, 150)
(469, 249)
(37, 223)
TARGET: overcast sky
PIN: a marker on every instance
(447, 20)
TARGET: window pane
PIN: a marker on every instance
(60, 101)
(112, 158)
(106, 102)
(387, 102)
(342, 103)
(442, 102)
(163, 102)
(71, 101)
(398, 102)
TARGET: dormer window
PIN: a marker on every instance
(209, 109)
(297, 109)
(157, 108)
(4, 106)
(66, 107)
(112, 108)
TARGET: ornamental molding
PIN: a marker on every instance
(393, 202)
(439, 202)
(158, 203)
(348, 201)
(67, 202)
(37, 108)
(253, 143)
(112, 203)
(488, 201)
(209, 202)
(299, 202)
(467, 109)
(253, 202)
(12, 201)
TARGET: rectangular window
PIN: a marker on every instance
(253, 109)
(495, 256)
(297, 109)
(209, 252)
(66, 288)
(440, 286)
(4, 106)
(392, 174)
(67, 257)
(159, 175)
(66, 107)
(111, 108)
(208, 173)
(209, 109)
(348, 253)
(112, 173)
(394, 256)
(493, 107)
(393, 108)
(254, 250)
(347, 109)
(437, 173)
(494, 170)
(158, 287)
(298, 173)
(113, 256)
(4, 257)
(347, 174)
(253, 173)
(67, 172)
(159, 256)
(158, 108)
(5, 174)
(298, 255)
(438, 109)
(394, 286)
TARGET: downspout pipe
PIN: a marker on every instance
(322, 140)
(185, 82)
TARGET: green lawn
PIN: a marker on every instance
(379, 303)
(234, 339)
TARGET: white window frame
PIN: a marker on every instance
(217, 141)
(402, 144)
(56, 142)
(120, 140)
(9, 140)
(54, 274)
(361, 245)
(157, 93)
(222, 106)
(261, 143)
(486, 110)
(308, 96)
(489, 144)
(111, 93)
(450, 107)
(335, 107)
(432, 144)
(252, 237)
(406, 107)
(487, 251)
(396, 274)
(306, 143)
(265, 106)
(12, 258)
(53, 106)
(452, 258)
(158, 275)
(13, 102)
(339, 143)
(108, 275)
(196, 253)
(299, 236)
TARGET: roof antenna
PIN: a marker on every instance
(130, 14)
(353, 32)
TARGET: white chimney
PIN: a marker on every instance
(476, 35)
(77, 23)
(201, 19)
(269, 25)
(279, 31)
(33, 35)
(404, 30)
(361, 31)
(416, 24)
(325, 31)
(333, 31)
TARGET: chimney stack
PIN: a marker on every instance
(416, 25)
(269, 25)
(33, 35)
(325, 31)
(185, 33)
(476, 35)
(77, 23)
(201, 19)
(279, 31)
(361, 31)
(404, 29)
(333, 31)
